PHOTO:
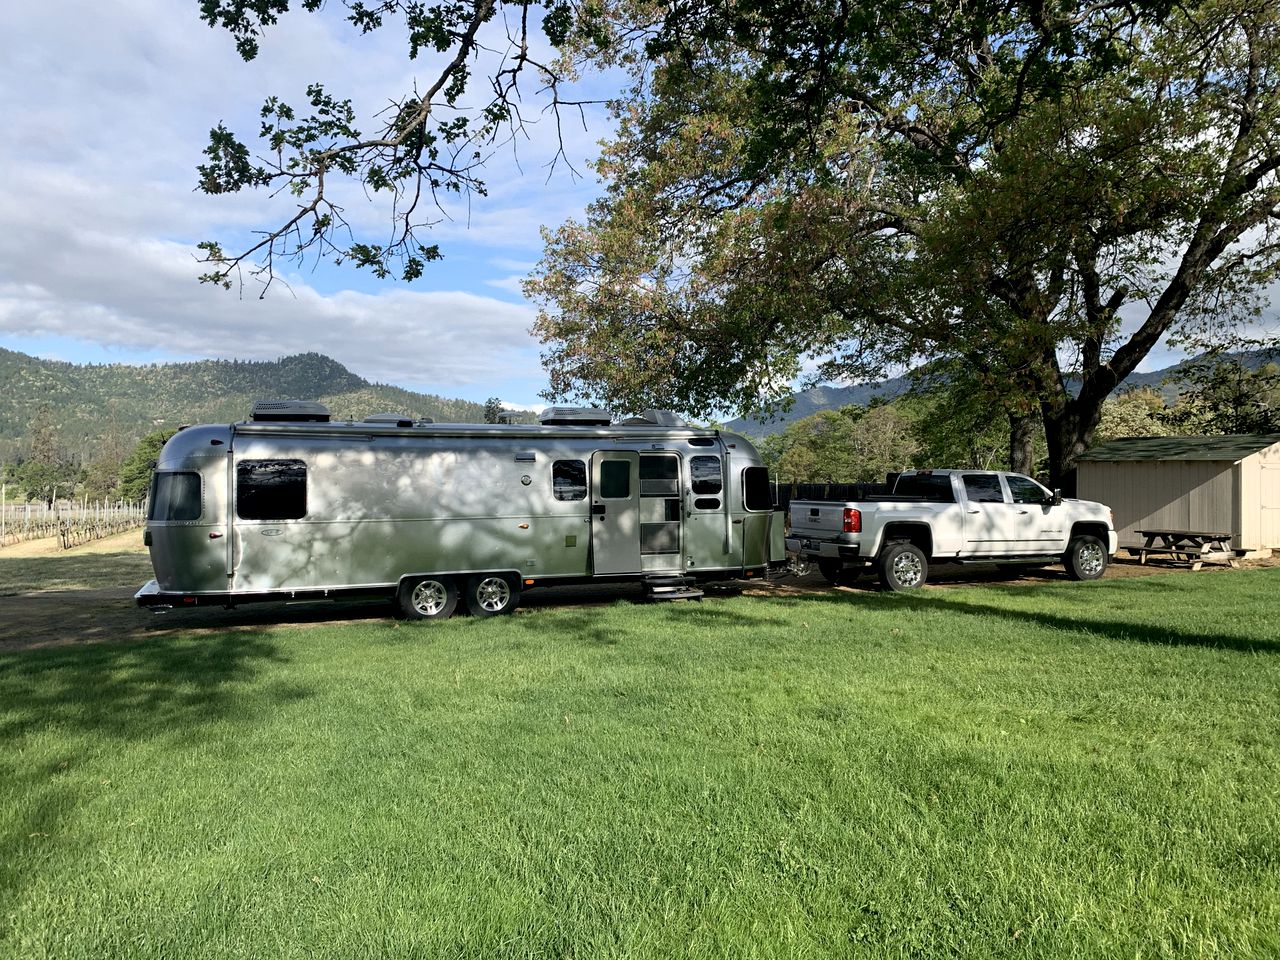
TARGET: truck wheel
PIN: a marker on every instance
(492, 594)
(830, 569)
(903, 566)
(427, 598)
(1085, 559)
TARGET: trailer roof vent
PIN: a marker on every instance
(575, 417)
(289, 411)
(394, 419)
(657, 418)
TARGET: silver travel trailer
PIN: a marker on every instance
(289, 505)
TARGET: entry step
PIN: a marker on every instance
(671, 588)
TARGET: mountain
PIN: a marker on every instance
(88, 402)
(808, 402)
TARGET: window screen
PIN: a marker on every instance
(175, 496)
(271, 489)
(1024, 490)
(705, 474)
(569, 479)
(983, 488)
(615, 480)
(755, 489)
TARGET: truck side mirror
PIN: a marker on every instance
(1056, 499)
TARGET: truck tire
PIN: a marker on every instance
(1086, 558)
(427, 598)
(492, 594)
(903, 566)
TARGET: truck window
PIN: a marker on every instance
(175, 496)
(930, 487)
(1025, 490)
(705, 474)
(983, 488)
(271, 489)
(569, 479)
(755, 489)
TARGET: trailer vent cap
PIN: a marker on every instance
(658, 418)
(289, 411)
(575, 417)
(394, 419)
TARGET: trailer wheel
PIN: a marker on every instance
(1085, 559)
(903, 566)
(427, 598)
(492, 594)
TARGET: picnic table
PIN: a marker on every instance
(1195, 547)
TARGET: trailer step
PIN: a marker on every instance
(671, 588)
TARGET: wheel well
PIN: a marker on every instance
(1098, 530)
(917, 533)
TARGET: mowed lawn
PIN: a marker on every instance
(1064, 770)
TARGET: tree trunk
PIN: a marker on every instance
(1022, 437)
(1068, 434)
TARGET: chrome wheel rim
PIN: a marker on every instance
(1091, 559)
(493, 594)
(429, 598)
(907, 569)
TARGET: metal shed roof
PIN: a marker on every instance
(1228, 448)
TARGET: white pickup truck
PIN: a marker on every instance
(955, 516)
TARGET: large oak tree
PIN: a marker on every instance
(1041, 190)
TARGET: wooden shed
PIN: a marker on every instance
(1221, 484)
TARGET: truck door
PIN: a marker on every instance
(615, 512)
(1044, 528)
(992, 526)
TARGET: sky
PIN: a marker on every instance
(108, 106)
(107, 109)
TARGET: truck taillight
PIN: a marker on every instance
(852, 520)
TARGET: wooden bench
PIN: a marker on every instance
(1196, 547)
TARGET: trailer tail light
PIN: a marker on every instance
(852, 520)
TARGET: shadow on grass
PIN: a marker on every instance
(1080, 620)
(61, 571)
(82, 699)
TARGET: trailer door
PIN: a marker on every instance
(615, 512)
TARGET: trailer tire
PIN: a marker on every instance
(492, 594)
(903, 566)
(1086, 558)
(427, 598)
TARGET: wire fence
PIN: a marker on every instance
(72, 522)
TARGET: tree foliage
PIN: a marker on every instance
(850, 445)
(136, 471)
(1223, 396)
(430, 143)
(1041, 191)
(45, 471)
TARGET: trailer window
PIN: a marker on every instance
(755, 489)
(271, 489)
(569, 479)
(615, 480)
(705, 474)
(175, 496)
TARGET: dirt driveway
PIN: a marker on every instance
(54, 597)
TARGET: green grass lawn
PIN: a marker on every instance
(1068, 770)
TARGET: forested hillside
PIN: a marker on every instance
(89, 403)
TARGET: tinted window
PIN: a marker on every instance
(659, 476)
(175, 496)
(1024, 490)
(755, 489)
(569, 479)
(983, 488)
(935, 488)
(271, 489)
(705, 474)
(615, 480)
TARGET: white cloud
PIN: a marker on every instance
(107, 111)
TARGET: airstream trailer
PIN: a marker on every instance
(289, 505)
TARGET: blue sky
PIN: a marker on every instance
(108, 107)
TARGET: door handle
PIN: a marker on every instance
(975, 511)
(1023, 512)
